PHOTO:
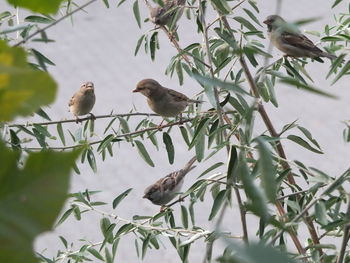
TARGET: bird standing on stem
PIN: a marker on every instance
(163, 101)
(163, 15)
(83, 101)
(166, 188)
(289, 40)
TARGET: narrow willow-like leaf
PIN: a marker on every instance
(136, 10)
(65, 216)
(293, 82)
(214, 82)
(220, 198)
(145, 245)
(153, 44)
(303, 143)
(268, 177)
(91, 159)
(252, 16)
(185, 135)
(106, 3)
(169, 147)
(211, 168)
(245, 23)
(321, 213)
(95, 253)
(39, 19)
(184, 216)
(143, 153)
(200, 148)
(61, 133)
(138, 45)
(120, 197)
(200, 131)
(344, 71)
(255, 195)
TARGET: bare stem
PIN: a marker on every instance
(84, 119)
(54, 23)
(345, 234)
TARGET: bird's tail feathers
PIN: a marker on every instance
(328, 55)
(189, 166)
(195, 101)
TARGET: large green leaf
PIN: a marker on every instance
(30, 199)
(22, 89)
(39, 6)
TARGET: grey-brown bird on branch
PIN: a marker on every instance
(290, 41)
(83, 101)
(163, 101)
(166, 188)
(164, 15)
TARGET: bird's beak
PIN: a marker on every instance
(266, 22)
(135, 90)
(145, 196)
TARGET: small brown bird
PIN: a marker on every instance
(166, 188)
(83, 101)
(163, 15)
(163, 101)
(290, 41)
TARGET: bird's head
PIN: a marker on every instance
(87, 87)
(147, 87)
(273, 22)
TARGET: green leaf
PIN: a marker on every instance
(153, 44)
(303, 143)
(39, 19)
(214, 82)
(222, 6)
(200, 147)
(344, 71)
(95, 253)
(268, 173)
(169, 147)
(136, 10)
(218, 201)
(211, 168)
(106, 3)
(23, 90)
(138, 45)
(38, 6)
(295, 83)
(41, 184)
(336, 2)
(258, 200)
(120, 197)
(184, 216)
(91, 159)
(252, 16)
(321, 212)
(245, 23)
(143, 152)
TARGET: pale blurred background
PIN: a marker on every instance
(99, 46)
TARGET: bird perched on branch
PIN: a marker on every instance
(83, 101)
(163, 101)
(164, 15)
(166, 188)
(289, 40)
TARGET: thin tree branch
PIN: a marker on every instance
(345, 234)
(115, 137)
(54, 23)
(312, 203)
(84, 119)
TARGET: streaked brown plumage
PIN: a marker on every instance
(290, 41)
(162, 15)
(166, 188)
(83, 101)
(166, 102)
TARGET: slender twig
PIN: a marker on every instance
(345, 234)
(84, 119)
(311, 204)
(115, 137)
(54, 23)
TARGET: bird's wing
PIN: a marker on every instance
(72, 100)
(177, 96)
(299, 41)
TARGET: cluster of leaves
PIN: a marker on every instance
(255, 165)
